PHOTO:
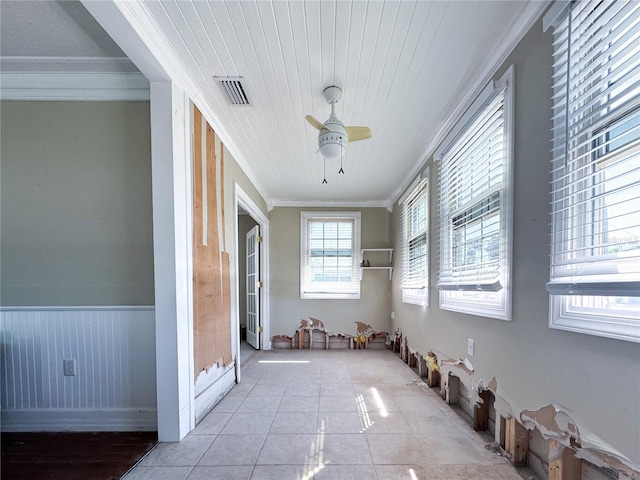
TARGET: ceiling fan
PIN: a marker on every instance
(333, 135)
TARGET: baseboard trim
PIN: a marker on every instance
(210, 397)
(79, 420)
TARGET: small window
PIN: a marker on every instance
(415, 244)
(330, 243)
(595, 224)
(475, 208)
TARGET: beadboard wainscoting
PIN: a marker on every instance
(113, 354)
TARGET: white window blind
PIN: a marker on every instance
(415, 245)
(330, 243)
(595, 188)
(472, 191)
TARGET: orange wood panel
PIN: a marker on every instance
(211, 270)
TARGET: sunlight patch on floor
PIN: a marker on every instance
(284, 361)
(378, 399)
(364, 414)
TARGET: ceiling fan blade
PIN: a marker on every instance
(358, 133)
(314, 123)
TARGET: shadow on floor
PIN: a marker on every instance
(246, 351)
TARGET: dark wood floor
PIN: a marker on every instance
(71, 456)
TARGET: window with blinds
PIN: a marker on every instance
(330, 243)
(415, 244)
(595, 168)
(475, 221)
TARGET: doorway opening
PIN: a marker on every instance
(252, 267)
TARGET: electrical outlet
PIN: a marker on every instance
(393, 315)
(70, 368)
(470, 347)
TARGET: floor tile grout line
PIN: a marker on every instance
(189, 472)
(404, 414)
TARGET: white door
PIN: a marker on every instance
(253, 291)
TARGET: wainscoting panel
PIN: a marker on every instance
(113, 349)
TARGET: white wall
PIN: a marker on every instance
(114, 388)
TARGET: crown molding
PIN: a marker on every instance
(67, 65)
(329, 204)
(74, 86)
(138, 18)
(531, 13)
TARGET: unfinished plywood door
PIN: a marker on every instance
(211, 269)
(253, 289)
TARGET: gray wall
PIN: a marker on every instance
(76, 204)
(287, 309)
(245, 223)
(233, 174)
(596, 378)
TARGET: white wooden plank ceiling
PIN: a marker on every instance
(404, 67)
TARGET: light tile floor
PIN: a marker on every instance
(328, 415)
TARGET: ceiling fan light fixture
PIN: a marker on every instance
(332, 151)
(332, 145)
(333, 136)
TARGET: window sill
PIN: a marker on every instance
(474, 307)
(416, 301)
(597, 325)
(330, 296)
(413, 299)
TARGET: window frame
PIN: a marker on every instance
(582, 303)
(353, 290)
(420, 187)
(466, 298)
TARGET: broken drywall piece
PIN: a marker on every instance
(311, 324)
(397, 335)
(626, 468)
(552, 422)
(501, 406)
(555, 423)
(364, 329)
(493, 385)
(465, 365)
(403, 348)
(282, 342)
(458, 368)
(419, 383)
(454, 372)
(319, 336)
(365, 333)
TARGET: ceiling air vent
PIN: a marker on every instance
(233, 89)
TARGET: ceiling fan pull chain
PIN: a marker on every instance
(324, 170)
(341, 170)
